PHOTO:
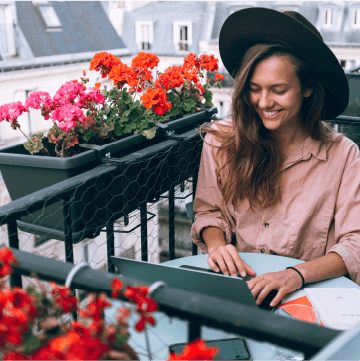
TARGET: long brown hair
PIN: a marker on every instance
(253, 159)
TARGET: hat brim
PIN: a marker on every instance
(251, 26)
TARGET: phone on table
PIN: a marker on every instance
(229, 349)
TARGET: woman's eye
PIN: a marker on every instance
(282, 92)
(254, 90)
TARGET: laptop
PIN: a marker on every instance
(215, 285)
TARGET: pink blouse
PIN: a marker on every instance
(319, 210)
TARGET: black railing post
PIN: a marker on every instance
(69, 252)
(143, 227)
(194, 184)
(110, 235)
(15, 279)
(171, 222)
(110, 238)
(194, 331)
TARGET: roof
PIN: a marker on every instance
(163, 14)
(341, 34)
(85, 28)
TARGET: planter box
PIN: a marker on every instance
(24, 174)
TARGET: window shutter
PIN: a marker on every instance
(189, 33)
(176, 33)
(151, 32)
(138, 33)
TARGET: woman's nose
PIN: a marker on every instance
(265, 101)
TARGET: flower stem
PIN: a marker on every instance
(23, 133)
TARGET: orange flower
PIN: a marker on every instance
(97, 85)
(171, 77)
(219, 77)
(121, 74)
(145, 61)
(156, 99)
(104, 62)
(208, 62)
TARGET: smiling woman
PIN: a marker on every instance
(274, 177)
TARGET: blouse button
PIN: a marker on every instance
(262, 250)
(266, 225)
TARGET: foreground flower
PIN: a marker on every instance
(7, 261)
(196, 350)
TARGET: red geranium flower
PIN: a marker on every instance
(7, 260)
(196, 350)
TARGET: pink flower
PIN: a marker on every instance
(11, 111)
(37, 99)
(67, 93)
(66, 126)
(68, 114)
(93, 96)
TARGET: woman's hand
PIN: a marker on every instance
(284, 282)
(228, 260)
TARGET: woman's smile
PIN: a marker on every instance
(270, 115)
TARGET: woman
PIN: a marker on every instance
(274, 178)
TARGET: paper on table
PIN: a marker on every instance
(338, 308)
(298, 301)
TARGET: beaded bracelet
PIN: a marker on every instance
(303, 281)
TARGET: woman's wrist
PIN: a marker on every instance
(299, 274)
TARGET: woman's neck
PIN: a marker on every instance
(288, 141)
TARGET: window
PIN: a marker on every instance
(144, 35)
(183, 43)
(118, 4)
(328, 17)
(7, 32)
(355, 19)
(182, 32)
(343, 63)
(50, 17)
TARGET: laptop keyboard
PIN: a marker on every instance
(265, 305)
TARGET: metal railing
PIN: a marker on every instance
(100, 199)
(197, 309)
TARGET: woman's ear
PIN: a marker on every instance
(308, 92)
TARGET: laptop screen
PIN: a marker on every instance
(215, 285)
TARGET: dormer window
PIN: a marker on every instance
(328, 17)
(182, 35)
(7, 32)
(51, 19)
(355, 18)
(144, 34)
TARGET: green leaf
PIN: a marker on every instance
(173, 112)
(149, 133)
(126, 113)
(120, 339)
(35, 293)
(30, 344)
(189, 104)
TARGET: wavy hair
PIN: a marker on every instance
(253, 159)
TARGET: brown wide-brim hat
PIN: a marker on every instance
(248, 27)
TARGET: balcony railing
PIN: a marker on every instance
(135, 201)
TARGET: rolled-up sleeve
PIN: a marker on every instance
(347, 215)
(208, 203)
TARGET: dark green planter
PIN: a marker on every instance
(24, 174)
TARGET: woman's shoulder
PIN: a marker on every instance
(340, 143)
(218, 130)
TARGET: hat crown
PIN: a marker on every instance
(301, 19)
